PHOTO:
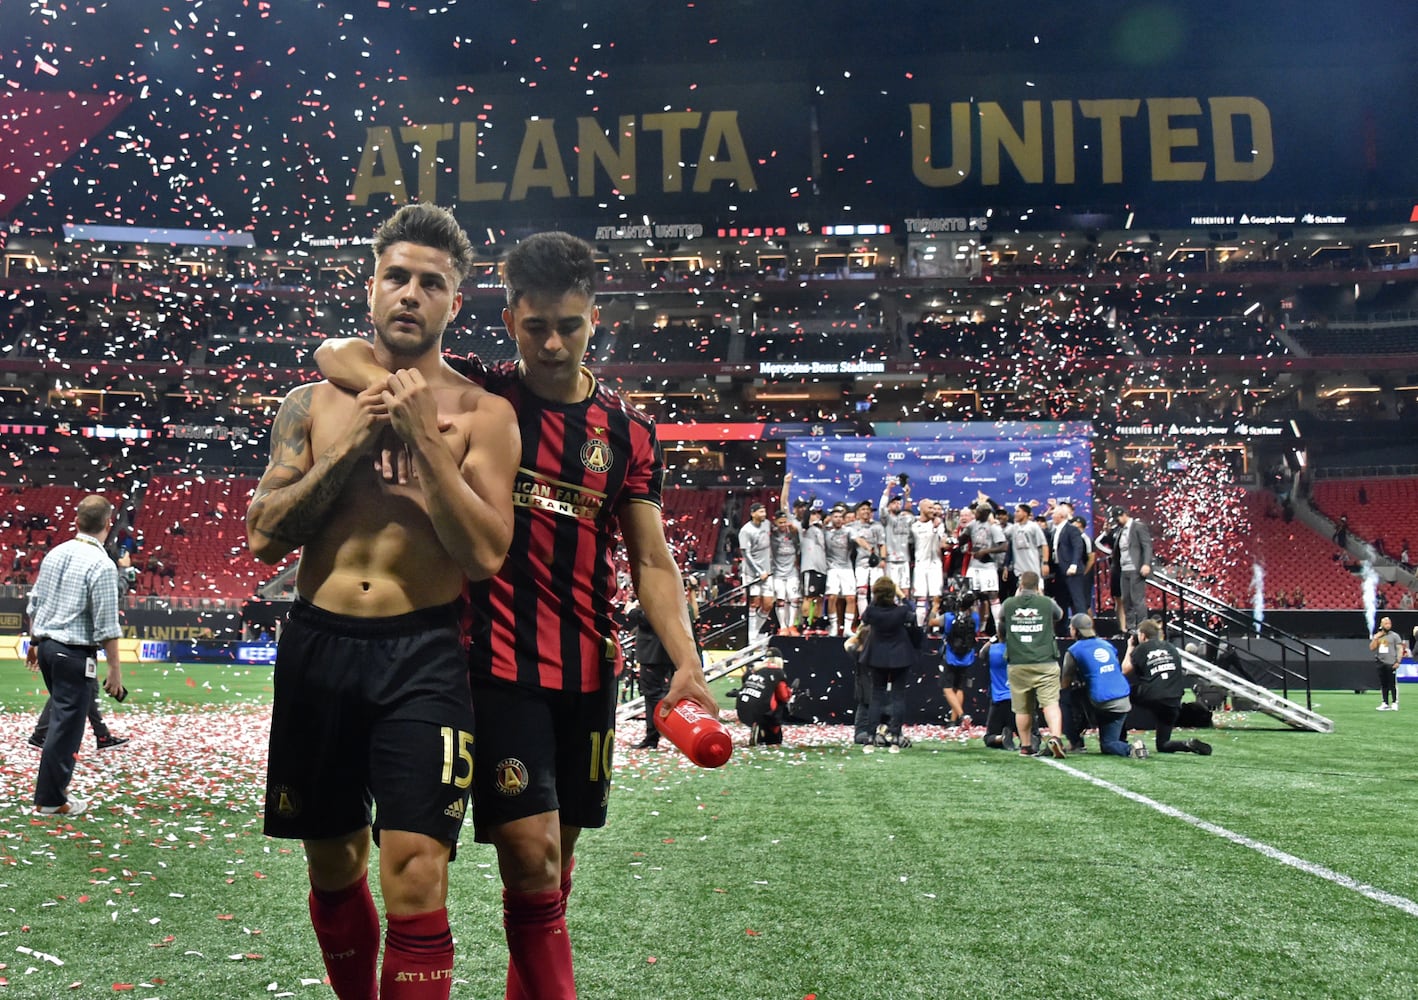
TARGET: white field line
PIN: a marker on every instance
(1398, 902)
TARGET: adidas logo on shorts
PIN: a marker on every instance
(455, 810)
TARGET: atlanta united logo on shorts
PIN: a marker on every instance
(511, 777)
(284, 801)
(596, 455)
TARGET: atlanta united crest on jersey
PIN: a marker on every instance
(552, 601)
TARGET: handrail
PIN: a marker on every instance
(1190, 629)
(1271, 704)
(1286, 641)
(1221, 609)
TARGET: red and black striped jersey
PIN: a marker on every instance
(550, 607)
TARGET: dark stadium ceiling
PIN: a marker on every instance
(471, 36)
(265, 115)
(467, 36)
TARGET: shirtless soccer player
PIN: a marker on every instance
(372, 703)
(544, 666)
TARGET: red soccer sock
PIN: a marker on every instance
(418, 957)
(347, 927)
(515, 989)
(566, 883)
(538, 945)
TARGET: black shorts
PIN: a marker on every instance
(956, 678)
(814, 583)
(541, 751)
(369, 712)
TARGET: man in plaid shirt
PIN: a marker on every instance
(73, 610)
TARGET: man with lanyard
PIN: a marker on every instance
(896, 520)
(1157, 666)
(1387, 648)
(73, 610)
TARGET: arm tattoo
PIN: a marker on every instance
(301, 512)
(289, 432)
(309, 512)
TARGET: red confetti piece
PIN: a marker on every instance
(651, 960)
(751, 932)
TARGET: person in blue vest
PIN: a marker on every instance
(960, 628)
(999, 724)
(1093, 663)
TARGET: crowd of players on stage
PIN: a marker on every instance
(1018, 577)
(809, 568)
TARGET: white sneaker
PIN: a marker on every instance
(1381, 708)
(1393, 707)
(74, 807)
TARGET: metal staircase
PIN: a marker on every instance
(1266, 701)
(1189, 613)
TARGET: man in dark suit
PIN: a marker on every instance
(1068, 559)
(1132, 552)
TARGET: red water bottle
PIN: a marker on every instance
(700, 735)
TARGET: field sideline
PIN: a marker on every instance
(1280, 866)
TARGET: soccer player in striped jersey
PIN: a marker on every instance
(544, 662)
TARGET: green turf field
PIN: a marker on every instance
(1282, 866)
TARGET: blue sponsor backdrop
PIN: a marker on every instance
(953, 463)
